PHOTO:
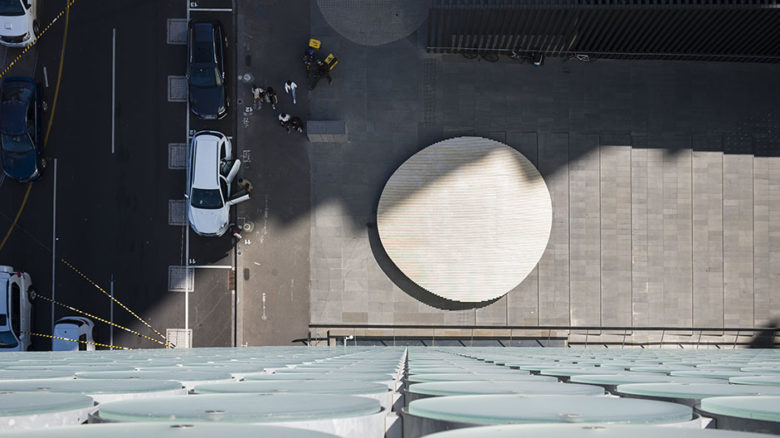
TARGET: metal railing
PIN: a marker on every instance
(707, 30)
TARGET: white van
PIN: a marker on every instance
(18, 22)
(15, 309)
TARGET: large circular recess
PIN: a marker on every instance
(466, 219)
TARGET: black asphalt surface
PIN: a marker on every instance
(112, 207)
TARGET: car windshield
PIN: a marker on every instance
(11, 7)
(202, 198)
(19, 144)
(205, 76)
(8, 340)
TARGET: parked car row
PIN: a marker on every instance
(211, 168)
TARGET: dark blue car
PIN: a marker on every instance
(20, 140)
(206, 70)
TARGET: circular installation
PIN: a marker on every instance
(466, 219)
(374, 22)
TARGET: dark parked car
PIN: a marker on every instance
(20, 128)
(206, 70)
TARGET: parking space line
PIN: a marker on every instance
(53, 244)
(211, 9)
(187, 230)
(111, 312)
(113, 92)
(211, 266)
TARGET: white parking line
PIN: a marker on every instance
(211, 266)
(53, 244)
(111, 341)
(211, 10)
(186, 226)
(113, 92)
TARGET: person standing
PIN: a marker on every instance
(296, 123)
(289, 88)
(270, 95)
(258, 95)
(284, 120)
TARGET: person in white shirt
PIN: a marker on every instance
(290, 87)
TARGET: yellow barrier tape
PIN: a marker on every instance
(97, 318)
(115, 300)
(113, 347)
(37, 37)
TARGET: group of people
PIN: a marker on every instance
(268, 95)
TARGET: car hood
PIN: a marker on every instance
(14, 26)
(20, 165)
(206, 102)
(209, 222)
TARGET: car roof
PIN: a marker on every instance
(204, 174)
(203, 42)
(13, 118)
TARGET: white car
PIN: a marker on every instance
(209, 176)
(18, 22)
(76, 328)
(15, 309)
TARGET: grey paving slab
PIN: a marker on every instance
(737, 240)
(523, 301)
(762, 281)
(677, 235)
(585, 231)
(707, 238)
(615, 213)
(649, 299)
(767, 313)
(640, 275)
(494, 314)
(554, 266)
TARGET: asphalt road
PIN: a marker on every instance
(109, 200)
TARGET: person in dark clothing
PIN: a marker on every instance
(271, 97)
(296, 123)
(322, 69)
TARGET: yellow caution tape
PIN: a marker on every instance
(97, 318)
(38, 37)
(168, 343)
(113, 347)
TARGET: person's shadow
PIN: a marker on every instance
(766, 337)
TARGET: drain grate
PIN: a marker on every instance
(177, 88)
(177, 212)
(179, 281)
(177, 31)
(177, 156)
(180, 338)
